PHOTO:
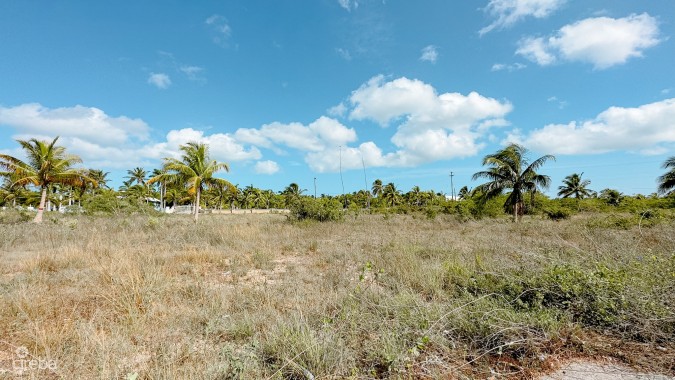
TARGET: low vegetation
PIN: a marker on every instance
(373, 284)
(148, 296)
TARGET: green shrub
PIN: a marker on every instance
(13, 216)
(322, 210)
(109, 203)
(558, 213)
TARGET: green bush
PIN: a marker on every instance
(558, 213)
(14, 216)
(595, 297)
(322, 210)
(109, 203)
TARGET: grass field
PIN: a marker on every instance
(375, 296)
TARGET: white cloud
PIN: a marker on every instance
(317, 136)
(220, 28)
(560, 103)
(338, 110)
(192, 72)
(509, 12)
(508, 67)
(601, 41)
(429, 54)
(536, 50)
(348, 4)
(642, 129)
(113, 142)
(430, 126)
(330, 160)
(160, 80)
(86, 123)
(266, 167)
(222, 146)
(344, 53)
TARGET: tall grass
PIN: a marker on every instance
(254, 296)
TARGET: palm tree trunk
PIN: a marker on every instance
(515, 212)
(197, 204)
(41, 207)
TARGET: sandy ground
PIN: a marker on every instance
(578, 370)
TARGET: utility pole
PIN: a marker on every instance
(342, 180)
(365, 179)
(314, 187)
(452, 186)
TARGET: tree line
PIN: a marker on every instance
(49, 178)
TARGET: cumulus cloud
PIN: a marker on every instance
(317, 136)
(113, 142)
(642, 129)
(266, 167)
(222, 146)
(509, 12)
(337, 110)
(431, 126)
(220, 28)
(600, 41)
(330, 160)
(159, 80)
(86, 123)
(429, 54)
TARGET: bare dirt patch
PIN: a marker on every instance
(600, 370)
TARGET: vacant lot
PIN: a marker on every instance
(255, 296)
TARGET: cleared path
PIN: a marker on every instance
(578, 370)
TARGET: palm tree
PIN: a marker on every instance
(173, 195)
(414, 196)
(574, 186)
(613, 197)
(391, 195)
(195, 169)
(161, 186)
(292, 193)
(377, 187)
(136, 175)
(667, 181)
(10, 191)
(100, 177)
(509, 169)
(464, 193)
(46, 164)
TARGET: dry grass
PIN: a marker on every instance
(253, 296)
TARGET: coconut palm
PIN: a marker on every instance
(414, 196)
(100, 177)
(667, 181)
(464, 193)
(195, 170)
(10, 191)
(509, 168)
(161, 186)
(292, 193)
(391, 195)
(46, 164)
(137, 175)
(613, 197)
(574, 186)
(377, 188)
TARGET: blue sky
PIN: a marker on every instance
(289, 91)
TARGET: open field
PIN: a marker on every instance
(375, 296)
